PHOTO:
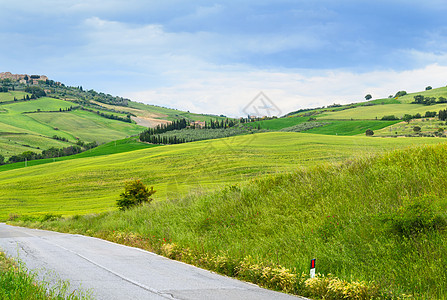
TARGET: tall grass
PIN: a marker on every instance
(17, 283)
(346, 215)
(92, 184)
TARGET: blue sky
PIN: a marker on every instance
(214, 57)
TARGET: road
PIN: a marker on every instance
(113, 271)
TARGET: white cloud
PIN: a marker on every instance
(228, 92)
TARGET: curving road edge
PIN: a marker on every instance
(114, 271)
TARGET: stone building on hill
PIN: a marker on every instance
(23, 78)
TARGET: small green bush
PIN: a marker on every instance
(135, 193)
(416, 216)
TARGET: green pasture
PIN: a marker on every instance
(277, 124)
(438, 92)
(378, 111)
(27, 123)
(335, 127)
(428, 126)
(9, 96)
(106, 112)
(119, 146)
(338, 127)
(13, 143)
(92, 184)
(40, 126)
(42, 104)
(87, 126)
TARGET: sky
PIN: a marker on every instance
(216, 56)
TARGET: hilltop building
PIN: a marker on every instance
(23, 78)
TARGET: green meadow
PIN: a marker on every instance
(339, 127)
(119, 146)
(9, 96)
(87, 126)
(92, 184)
(278, 124)
(331, 127)
(32, 124)
(438, 92)
(378, 111)
(13, 143)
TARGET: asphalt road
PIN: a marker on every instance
(113, 271)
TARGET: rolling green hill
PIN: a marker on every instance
(30, 125)
(437, 92)
(92, 184)
(379, 220)
(9, 96)
(378, 111)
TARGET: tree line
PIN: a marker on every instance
(52, 152)
(152, 135)
(420, 99)
(164, 140)
(149, 134)
(215, 124)
(127, 119)
(442, 115)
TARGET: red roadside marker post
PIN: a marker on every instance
(312, 268)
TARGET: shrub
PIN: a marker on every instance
(135, 193)
(390, 118)
(369, 132)
(416, 216)
(416, 128)
(400, 94)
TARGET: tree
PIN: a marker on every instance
(407, 118)
(135, 193)
(368, 97)
(430, 114)
(428, 88)
(400, 94)
(369, 132)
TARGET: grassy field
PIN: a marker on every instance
(42, 104)
(20, 131)
(378, 111)
(119, 146)
(17, 283)
(338, 127)
(428, 126)
(333, 127)
(87, 126)
(9, 96)
(381, 219)
(438, 92)
(278, 124)
(92, 184)
(13, 143)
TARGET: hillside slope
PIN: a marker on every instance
(381, 219)
(92, 184)
(72, 114)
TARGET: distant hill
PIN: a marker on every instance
(38, 113)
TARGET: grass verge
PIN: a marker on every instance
(17, 283)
